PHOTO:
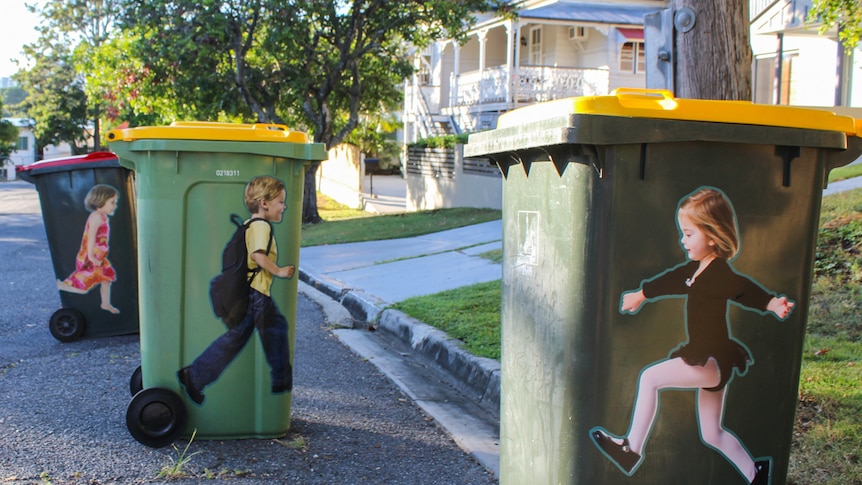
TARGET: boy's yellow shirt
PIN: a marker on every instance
(256, 239)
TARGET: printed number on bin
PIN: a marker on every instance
(227, 173)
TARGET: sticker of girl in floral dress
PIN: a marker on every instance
(92, 267)
(711, 356)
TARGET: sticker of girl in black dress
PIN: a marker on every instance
(708, 360)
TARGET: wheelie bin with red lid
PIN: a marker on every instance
(89, 212)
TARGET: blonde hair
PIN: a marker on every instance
(98, 195)
(261, 188)
(711, 212)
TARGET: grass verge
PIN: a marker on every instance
(846, 172)
(827, 439)
(343, 225)
(470, 315)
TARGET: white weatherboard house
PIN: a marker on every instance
(25, 149)
(794, 65)
(554, 49)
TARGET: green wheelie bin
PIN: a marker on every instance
(658, 256)
(191, 179)
(88, 207)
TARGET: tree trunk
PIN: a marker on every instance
(97, 127)
(713, 59)
(310, 214)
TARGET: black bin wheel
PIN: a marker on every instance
(136, 382)
(156, 417)
(67, 324)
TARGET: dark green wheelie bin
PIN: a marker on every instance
(191, 178)
(84, 199)
(658, 257)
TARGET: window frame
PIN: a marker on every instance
(632, 57)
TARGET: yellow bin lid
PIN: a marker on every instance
(649, 103)
(205, 130)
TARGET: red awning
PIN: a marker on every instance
(632, 34)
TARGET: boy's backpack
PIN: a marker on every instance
(229, 289)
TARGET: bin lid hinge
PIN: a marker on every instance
(527, 163)
(559, 155)
(787, 154)
(504, 161)
(643, 161)
(563, 155)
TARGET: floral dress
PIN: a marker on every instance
(87, 275)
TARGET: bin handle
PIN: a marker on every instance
(269, 126)
(645, 98)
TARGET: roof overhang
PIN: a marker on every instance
(589, 13)
(631, 34)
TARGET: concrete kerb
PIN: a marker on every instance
(336, 315)
(363, 308)
(476, 376)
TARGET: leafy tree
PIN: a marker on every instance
(70, 33)
(317, 65)
(375, 137)
(56, 100)
(846, 15)
(12, 98)
(8, 137)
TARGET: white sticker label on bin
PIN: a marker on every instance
(227, 173)
(528, 240)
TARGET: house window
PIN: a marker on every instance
(23, 143)
(536, 46)
(633, 58)
(424, 70)
(765, 86)
(578, 33)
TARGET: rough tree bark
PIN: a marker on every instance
(310, 214)
(713, 59)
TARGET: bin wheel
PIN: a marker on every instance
(156, 417)
(136, 383)
(67, 324)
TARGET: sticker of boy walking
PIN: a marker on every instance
(265, 199)
(708, 360)
(92, 267)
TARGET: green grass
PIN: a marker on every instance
(343, 225)
(470, 315)
(846, 172)
(828, 439)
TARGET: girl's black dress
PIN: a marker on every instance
(706, 313)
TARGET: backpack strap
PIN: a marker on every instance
(236, 220)
(257, 270)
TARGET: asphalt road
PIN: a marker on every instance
(62, 405)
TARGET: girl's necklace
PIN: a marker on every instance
(702, 266)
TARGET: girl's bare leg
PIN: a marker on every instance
(105, 292)
(710, 410)
(673, 373)
(71, 289)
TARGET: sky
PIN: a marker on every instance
(17, 27)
